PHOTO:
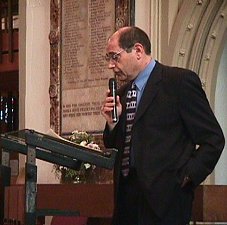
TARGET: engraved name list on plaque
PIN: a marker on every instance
(86, 26)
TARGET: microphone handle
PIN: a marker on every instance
(114, 111)
(113, 89)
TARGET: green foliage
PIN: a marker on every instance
(81, 175)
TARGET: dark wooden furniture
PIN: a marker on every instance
(96, 201)
(210, 204)
(91, 200)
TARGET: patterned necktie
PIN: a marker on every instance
(130, 114)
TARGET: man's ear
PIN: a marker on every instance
(138, 47)
(139, 50)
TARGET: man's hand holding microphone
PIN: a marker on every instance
(111, 108)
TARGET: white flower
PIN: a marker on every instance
(75, 132)
(93, 146)
(84, 139)
(83, 143)
(87, 165)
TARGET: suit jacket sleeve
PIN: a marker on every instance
(202, 126)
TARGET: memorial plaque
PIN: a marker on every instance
(79, 76)
(86, 26)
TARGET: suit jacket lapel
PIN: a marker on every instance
(150, 91)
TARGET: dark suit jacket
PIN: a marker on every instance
(175, 134)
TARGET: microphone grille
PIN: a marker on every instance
(112, 82)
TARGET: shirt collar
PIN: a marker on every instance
(143, 76)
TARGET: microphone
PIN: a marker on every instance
(113, 89)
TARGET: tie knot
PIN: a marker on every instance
(133, 87)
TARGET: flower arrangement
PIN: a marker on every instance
(81, 175)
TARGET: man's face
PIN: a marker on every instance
(121, 62)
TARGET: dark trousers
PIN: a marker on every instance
(133, 208)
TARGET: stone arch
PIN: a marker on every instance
(197, 40)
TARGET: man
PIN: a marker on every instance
(175, 140)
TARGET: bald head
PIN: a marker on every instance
(127, 37)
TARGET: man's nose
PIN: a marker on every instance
(111, 64)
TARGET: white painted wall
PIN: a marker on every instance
(156, 18)
(34, 73)
(221, 113)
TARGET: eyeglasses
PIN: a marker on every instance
(113, 56)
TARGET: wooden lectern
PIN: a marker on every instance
(37, 145)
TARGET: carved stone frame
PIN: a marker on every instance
(124, 16)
